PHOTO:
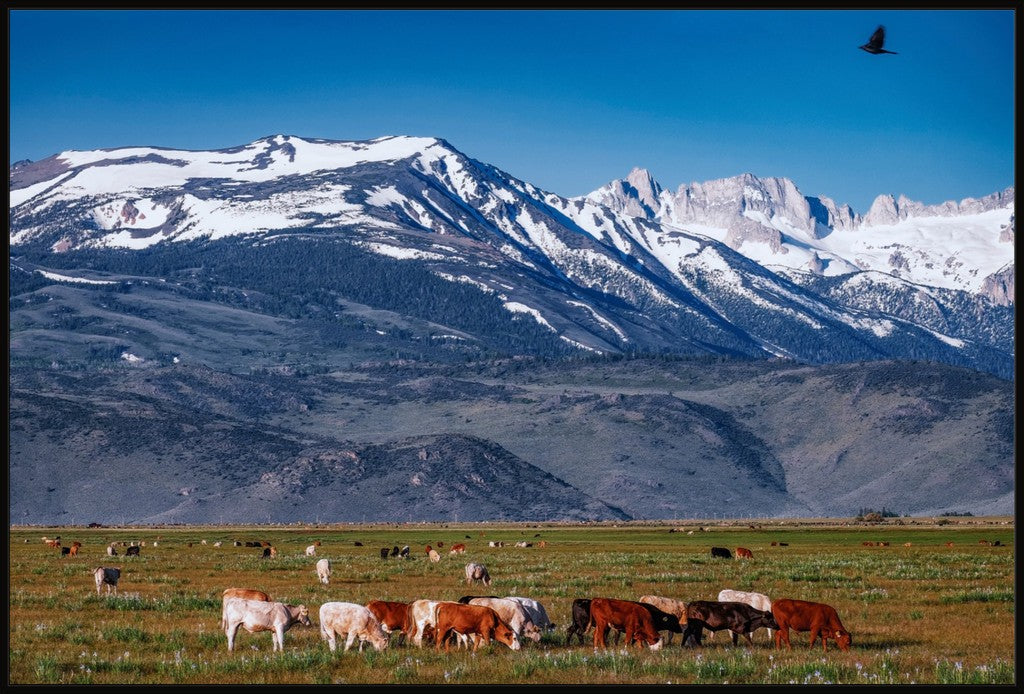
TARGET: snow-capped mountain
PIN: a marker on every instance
(965, 246)
(741, 266)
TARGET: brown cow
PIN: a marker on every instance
(474, 621)
(460, 548)
(816, 617)
(744, 553)
(627, 616)
(73, 549)
(391, 615)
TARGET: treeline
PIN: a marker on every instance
(305, 278)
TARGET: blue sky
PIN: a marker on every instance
(567, 100)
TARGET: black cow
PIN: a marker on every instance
(357, 543)
(738, 617)
(722, 552)
(131, 552)
(384, 552)
(404, 554)
(395, 551)
(580, 622)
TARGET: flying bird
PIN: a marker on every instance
(874, 44)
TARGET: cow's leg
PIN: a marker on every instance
(279, 639)
(350, 638)
(600, 632)
(231, 631)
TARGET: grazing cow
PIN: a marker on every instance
(542, 543)
(111, 550)
(351, 621)
(477, 572)
(627, 616)
(949, 544)
(395, 551)
(65, 551)
(106, 576)
(434, 556)
(580, 622)
(132, 551)
(738, 617)
(536, 612)
(908, 544)
(236, 543)
(480, 623)
(73, 549)
(980, 542)
(883, 544)
(384, 552)
(774, 543)
(323, 571)
(269, 553)
(54, 543)
(744, 553)
(440, 544)
(422, 617)
(513, 613)
(676, 608)
(758, 600)
(404, 553)
(217, 543)
(816, 617)
(311, 551)
(357, 543)
(995, 543)
(245, 593)
(783, 544)
(524, 543)
(721, 552)
(393, 616)
(457, 549)
(259, 615)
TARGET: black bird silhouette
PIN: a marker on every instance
(874, 44)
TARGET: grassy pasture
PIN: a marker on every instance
(926, 613)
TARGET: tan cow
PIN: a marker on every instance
(246, 593)
(512, 612)
(351, 621)
(258, 615)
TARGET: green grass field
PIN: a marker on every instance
(924, 613)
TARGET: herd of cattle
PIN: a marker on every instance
(475, 621)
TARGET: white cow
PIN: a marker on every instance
(351, 621)
(323, 571)
(536, 612)
(311, 551)
(514, 613)
(477, 572)
(108, 576)
(756, 600)
(111, 550)
(256, 615)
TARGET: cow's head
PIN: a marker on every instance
(843, 639)
(379, 638)
(531, 631)
(503, 632)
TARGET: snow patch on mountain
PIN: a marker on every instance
(516, 307)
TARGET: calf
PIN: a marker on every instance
(106, 576)
(477, 572)
(132, 551)
(257, 615)
(323, 571)
(351, 621)
(393, 616)
(311, 551)
(627, 616)
(480, 623)
(384, 552)
(816, 617)
(676, 608)
(721, 552)
(744, 553)
(738, 617)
